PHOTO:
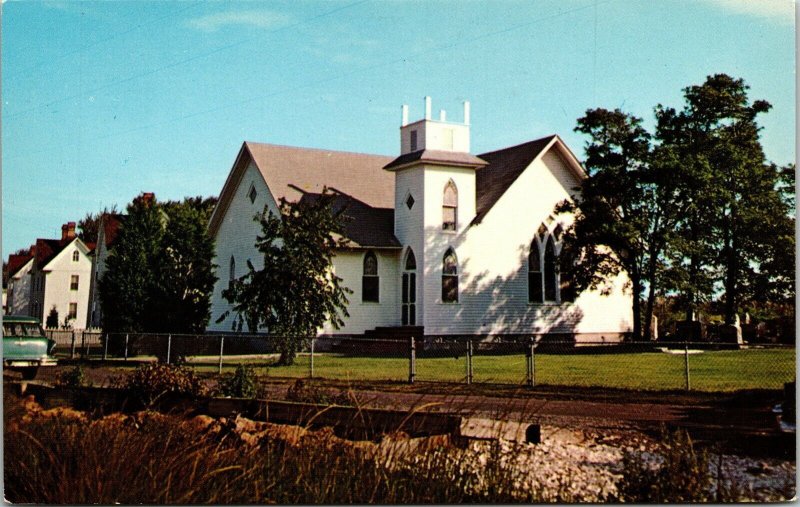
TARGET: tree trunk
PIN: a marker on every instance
(637, 309)
(731, 277)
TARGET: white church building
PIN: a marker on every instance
(441, 241)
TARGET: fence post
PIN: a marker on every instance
(686, 363)
(412, 363)
(469, 361)
(126, 346)
(85, 342)
(169, 346)
(72, 349)
(221, 346)
(311, 374)
(105, 348)
(530, 366)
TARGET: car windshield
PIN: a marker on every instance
(22, 329)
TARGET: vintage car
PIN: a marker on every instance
(25, 346)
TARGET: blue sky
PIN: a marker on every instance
(104, 100)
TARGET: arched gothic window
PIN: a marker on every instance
(535, 274)
(370, 282)
(408, 307)
(550, 272)
(450, 207)
(450, 277)
(76, 256)
(544, 269)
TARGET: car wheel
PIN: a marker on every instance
(30, 372)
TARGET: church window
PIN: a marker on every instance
(550, 271)
(413, 140)
(450, 207)
(410, 201)
(450, 277)
(534, 274)
(252, 194)
(232, 272)
(370, 282)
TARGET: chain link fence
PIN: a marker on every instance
(519, 360)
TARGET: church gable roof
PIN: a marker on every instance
(506, 165)
(290, 171)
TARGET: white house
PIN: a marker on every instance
(18, 293)
(441, 241)
(57, 276)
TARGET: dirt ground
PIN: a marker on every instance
(743, 421)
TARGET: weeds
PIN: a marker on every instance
(74, 377)
(242, 384)
(304, 393)
(150, 382)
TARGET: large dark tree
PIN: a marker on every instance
(127, 286)
(620, 215)
(159, 274)
(728, 193)
(184, 274)
(295, 292)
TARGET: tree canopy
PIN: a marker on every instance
(295, 292)
(159, 274)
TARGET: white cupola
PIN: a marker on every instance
(430, 134)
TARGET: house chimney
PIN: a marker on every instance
(404, 118)
(427, 108)
(68, 231)
(442, 115)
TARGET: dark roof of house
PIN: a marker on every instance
(503, 169)
(111, 225)
(364, 225)
(47, 249)
(436, 157)
(16, 262)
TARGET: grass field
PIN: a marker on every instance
(708, 370)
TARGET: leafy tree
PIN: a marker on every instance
(160, 275)
(620, 215)
(184, 274)
(729, 194)
(52, 319)
(295, 292)
(89, 225)
(127, 287)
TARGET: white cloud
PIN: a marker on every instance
(256, 19)
(781, 11)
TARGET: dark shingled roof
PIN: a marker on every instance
(436, 157)
(504, 168)
(46, 249)
(16, 262)
(364, 225)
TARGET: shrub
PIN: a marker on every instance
(682, 476)
(302, 393)
(242, 384)
(152, 381)
(74, 377)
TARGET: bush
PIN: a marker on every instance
(242, 384)
(682, 476)
(74, 377)
(150, 382)
(302, 393)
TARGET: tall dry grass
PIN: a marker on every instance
(160, 459)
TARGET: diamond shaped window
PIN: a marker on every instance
(410, 201)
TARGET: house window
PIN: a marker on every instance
(534, 274)
(73, 311)
(450, 277)
(252, 194)
(73, 283)
(413, 140)
(449, 207)
(75, 256)
(370, 282)
(232, 273)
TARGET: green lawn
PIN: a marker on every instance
(708, 370)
